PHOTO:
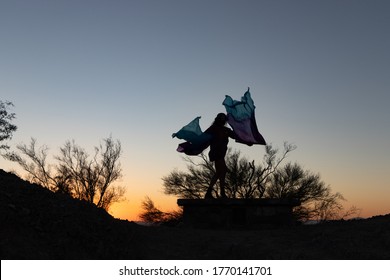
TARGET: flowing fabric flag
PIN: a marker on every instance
(196, 140)
(241, 117)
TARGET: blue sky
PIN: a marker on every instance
(140, 70)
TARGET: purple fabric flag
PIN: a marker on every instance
(196, 140)
(241, 117)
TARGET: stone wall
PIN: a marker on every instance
(237, 213)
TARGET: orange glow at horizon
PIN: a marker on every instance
(137, 189)
(132, 208)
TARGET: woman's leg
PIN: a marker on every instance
(220, 174)
(214, 179)
(221, 169)
(211, 185)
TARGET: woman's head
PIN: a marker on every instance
(220, 119)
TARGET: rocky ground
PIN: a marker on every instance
(38, 224)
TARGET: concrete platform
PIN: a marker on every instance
(237, 213)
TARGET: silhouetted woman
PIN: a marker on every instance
(218, 147)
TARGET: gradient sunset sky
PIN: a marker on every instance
(319, 73)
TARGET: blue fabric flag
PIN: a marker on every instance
(241, 117)
(196, 140)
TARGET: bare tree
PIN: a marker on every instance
(76, 174)
(151, 214)
(6, 127)
(92, 177)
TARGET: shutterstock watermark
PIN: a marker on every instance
(160, 271)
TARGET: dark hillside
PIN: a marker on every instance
(38, 224)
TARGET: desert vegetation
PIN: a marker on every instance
(271, 179)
